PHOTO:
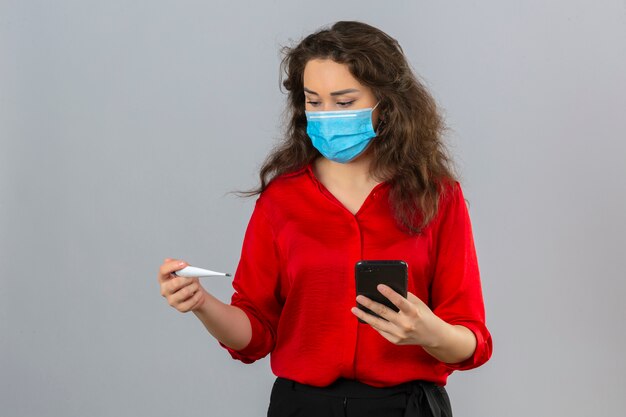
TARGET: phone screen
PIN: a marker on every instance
(369, 274)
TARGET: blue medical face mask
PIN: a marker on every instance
(340, 135)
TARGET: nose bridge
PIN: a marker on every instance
(327, 104)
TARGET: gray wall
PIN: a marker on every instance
(124, 124)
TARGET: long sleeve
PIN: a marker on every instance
(295, 283)
(256, 284)
(456, 289)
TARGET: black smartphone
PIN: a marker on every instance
(369, 274)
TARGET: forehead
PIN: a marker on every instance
(325, 75)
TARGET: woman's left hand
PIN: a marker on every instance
(414, 324)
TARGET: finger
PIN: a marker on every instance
(380, 309)
(375, 322)
(190, 302)
(197, 298)
(172, 265)
(386, 329)
(175, 284)
(413, 299)
(183, 294)
(399, 301)
(392, 337)
(167, 268)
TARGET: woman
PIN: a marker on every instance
(362, 174)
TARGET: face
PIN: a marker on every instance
(329, 86)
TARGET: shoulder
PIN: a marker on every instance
(450, 191)
(283, 186)
(450, 200)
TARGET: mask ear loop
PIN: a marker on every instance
(380, 120)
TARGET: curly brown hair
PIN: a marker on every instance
(409, 154)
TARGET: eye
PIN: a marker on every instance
(313, 103)
(345, 103)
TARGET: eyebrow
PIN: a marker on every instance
(334, 93)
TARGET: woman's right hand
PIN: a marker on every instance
(228, 324)
(184, 294)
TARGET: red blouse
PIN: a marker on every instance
(295, 281)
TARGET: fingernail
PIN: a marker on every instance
(181, 263)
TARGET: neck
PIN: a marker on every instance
(354, 174)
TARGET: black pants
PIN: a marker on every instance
(348, 398)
